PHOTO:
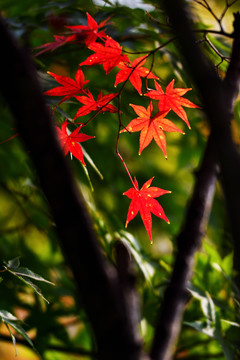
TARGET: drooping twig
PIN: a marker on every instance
(96, 282)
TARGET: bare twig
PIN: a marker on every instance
(227, 6)
(219, 19)
(216, 50)
(205, 4)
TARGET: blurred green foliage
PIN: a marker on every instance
(60, 329)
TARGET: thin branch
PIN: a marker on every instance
(151, 51)
(228, 5)
(219, 19)
(210, 10)
(167, 26)
(227, 59)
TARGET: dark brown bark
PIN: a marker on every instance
(218, 99)
(97, 283)
(189, 240)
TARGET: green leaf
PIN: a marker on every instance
(145, 267)
(7, 316)
(212, 325)
(12, 336)
(10, 320)
(63, 113)
(13, 264)
(207, 303)
(22, 332)
(203, 327)
(208, 308)
(228, 351)
(29, 283)
(24, 274)
(91, 162)
(88, 177)
(232, 323)
(22, 271)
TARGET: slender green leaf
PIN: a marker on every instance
(91, 162)
(202, 326)
(14, 263)
(88, 177)
(21, 331)
(7, 316)
(22, 271)
(29, 283)
(12, 336)
(10, 320)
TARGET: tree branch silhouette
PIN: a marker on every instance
(218, 99)
(188, 241)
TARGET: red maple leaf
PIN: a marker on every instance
(133, 72)
(89, 33)
(59, 41)
(69, 86)
(70, 142)
(172, 99)
(151, 127)
(143, 201)
(101, 104)
(109, 55)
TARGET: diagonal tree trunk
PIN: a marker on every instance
(211, 90)
(217, 97)
(188, 241)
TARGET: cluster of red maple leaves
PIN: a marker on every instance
(109, 53)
